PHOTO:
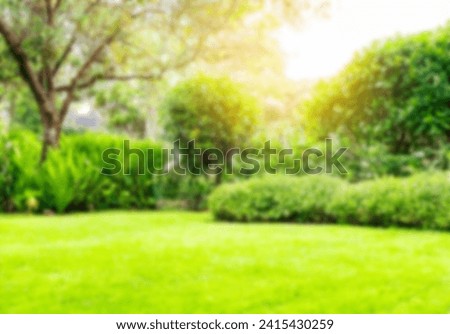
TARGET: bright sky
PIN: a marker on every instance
(324, 46)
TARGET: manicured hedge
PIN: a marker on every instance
(278, 198)
(422, 200)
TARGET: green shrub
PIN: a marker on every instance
(7, 172)
(391, 99)
(422, 200)
(130, 190)
(67, 178)
(276, 198)
(190, 190)
(214, 112)
(19, 161)
(70, 178)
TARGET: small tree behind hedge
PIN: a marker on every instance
(215, 112)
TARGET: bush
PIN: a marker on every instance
(216, 113)
(276, 198)
(7, 172)
(393, 95)
(19, 161)
(418, 201)
(422, 200)
(191, 191)
(131, 190)
(70, 178)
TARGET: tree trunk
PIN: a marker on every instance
(52, 133)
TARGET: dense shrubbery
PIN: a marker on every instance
(275, 199)
(422, 200)
(70, 178)
(184, 191)
(391, 101)
(418, 201)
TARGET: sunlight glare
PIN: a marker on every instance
(324, 46)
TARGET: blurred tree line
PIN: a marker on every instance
(64, 51)
(390, 105)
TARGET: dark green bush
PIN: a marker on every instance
(422, 200)
(189, 190)
(389, 105)
(131, 190)
(216, 113)
(19, 158)
(276, 198)
(70, 178)
(7, 172)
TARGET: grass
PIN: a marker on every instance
(175, 262)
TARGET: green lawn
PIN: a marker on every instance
(175, 262)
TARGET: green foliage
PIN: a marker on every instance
(7, 172)
(70, 178)
(121, 104)
(422, 200)
(24, 110)
(375, 160)
(394, 95)
(278, 198)
(215, 112)
(91, 190)
(195, 190)
(191, 191)
(19, 152)
(134, 39)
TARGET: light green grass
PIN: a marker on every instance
(175, 262)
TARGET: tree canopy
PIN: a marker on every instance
(396, 92)
(59, 51)
(215, 112)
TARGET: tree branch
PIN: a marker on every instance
(148, 10)
(110, 77)
(57, 5)
(73, 39)
(128, 77)
(64, 55)
(26, 71)
(82, 71)
(49, 10)
(91, 6)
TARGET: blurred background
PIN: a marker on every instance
(81, 77)
(78, 77)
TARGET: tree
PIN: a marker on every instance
(214, 112)
(22, 109)
(122, 105)
(61, 48)
(394, 95)
(396, 92)
(52, 40)
(249, 55)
